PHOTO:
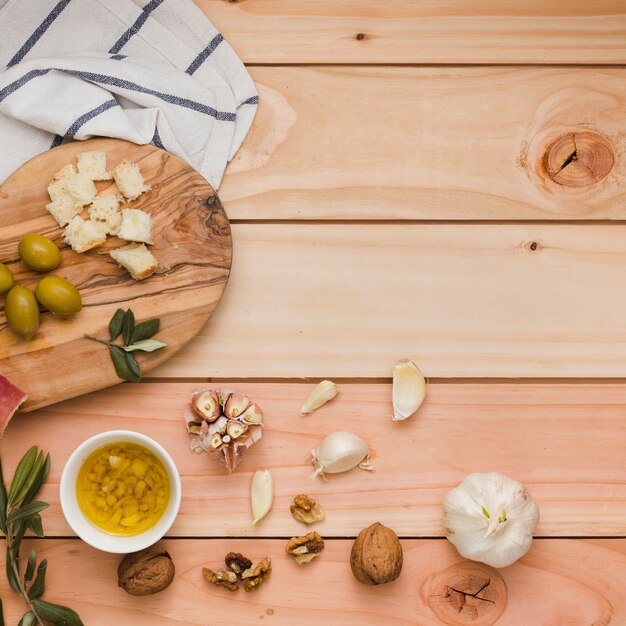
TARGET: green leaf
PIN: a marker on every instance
(28, 619)
(128, 326)
(485, 512)
(11, 577)
(57, 614)
(145, 330)
(28, 483)
(122, 368)
(146, 345)
(39, 480)
(133, 366)
(3, 503)
(26, 511)
(22, 472)
(34, 524)
(30, 566)
(39, 586)
(115, 325)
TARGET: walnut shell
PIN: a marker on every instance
(146, 572)
(376, 556)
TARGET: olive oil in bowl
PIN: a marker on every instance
(123, 488)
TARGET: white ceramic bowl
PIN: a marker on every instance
(120, 544)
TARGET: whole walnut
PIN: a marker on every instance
(376, 556)
(146, 572)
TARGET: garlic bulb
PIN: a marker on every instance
(409, 389)
(490, 518)
(320, 394)
(261, 494)
(340, 452)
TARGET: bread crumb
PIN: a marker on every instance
(136, 226)
(63, 208)
(129, 180)
(83, 235)
(94, 165)
(81, 188)
(104, 211)
(137, 259)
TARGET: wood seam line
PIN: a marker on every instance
(426, 222)
(592, 66)
(337, 538)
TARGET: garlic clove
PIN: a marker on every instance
(252, 415)
(236, 404)
(319, 395)
(216, 441)
(409, 389)
(223, 395)
(340, 452)
(235, 429)
(207, 406)
(261, 494)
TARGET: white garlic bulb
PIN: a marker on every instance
(408, 391)
(339, 452)
(490, 518)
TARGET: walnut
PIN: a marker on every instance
(237, 562)
(146, 572)
(221, 578)
(256, 574)
(376, 555)
(304, 509)
(305, 549)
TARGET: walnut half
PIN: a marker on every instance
(256, 574)
(304, 509)
(221, 578)
(305, 549)
(237, 562)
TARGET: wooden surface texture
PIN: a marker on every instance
(192, 244)
(437, 180)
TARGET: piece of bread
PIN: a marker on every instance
(83, 235)
(129, 180)
(104, 211)
(137, 259)
(81, 188)
(63, 208)
(58, 186)
(136, 226)
(94, 165)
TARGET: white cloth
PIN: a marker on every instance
(149, 71)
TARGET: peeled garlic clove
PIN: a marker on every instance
(339, 452)
(252, 415)
(236, 404)
(320, 394)
(207, 405)
(409, 389)
(261, 494)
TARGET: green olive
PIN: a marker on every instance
(58, 295)
(22, 312)
(39, 253)
(6, 278)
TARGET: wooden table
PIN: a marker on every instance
(443, 181)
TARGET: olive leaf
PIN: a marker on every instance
(38, 480)
(28, 619)
(3, 503)
(123, 367)
(145, 330)
(38, 587)
(30, 567)
(22, 472)
(14, 583)
(56, 613)
(128, 326)
(34, 525)
(115, 325)
(146, 345)
(26, 511)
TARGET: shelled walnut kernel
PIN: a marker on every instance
(254, 576)
(239, 569)
(304, 509)
(305, 549)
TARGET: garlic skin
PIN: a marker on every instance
(490, 518)
(340, 452)
(409, 389)
(319, 395)
(261, 494)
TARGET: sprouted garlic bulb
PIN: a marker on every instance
(490, 518)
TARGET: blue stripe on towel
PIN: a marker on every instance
(16, 84)
(205, 54)
(36, 36)
(83, 119)
(222, 116)
(134, 29)
(57, 141)
(117, 57)
(252, 100)
(156, 139)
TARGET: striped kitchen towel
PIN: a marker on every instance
(149, 71)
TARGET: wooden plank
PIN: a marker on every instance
(462, 300)
(409, 31)
(432, 143)
(566, 442)
(569, 582)
(192, 244)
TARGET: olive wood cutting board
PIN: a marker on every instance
(192, 243)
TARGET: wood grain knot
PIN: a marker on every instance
(465, 593)
(579, 159)
(360, 36)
